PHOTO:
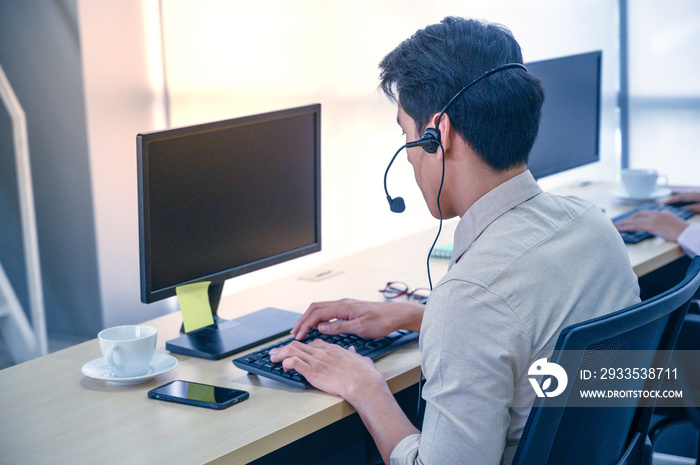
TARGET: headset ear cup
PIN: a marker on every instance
(430, 140)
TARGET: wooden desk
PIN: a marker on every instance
(51, 413)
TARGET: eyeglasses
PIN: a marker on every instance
(397, 289)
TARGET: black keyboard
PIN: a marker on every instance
(632, 237)
(259, 363)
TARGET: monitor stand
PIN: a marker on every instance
(227, 337)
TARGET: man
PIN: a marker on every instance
(525, 263)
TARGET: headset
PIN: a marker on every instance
(431, 139)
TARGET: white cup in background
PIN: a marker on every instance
(641, 183)
(128, 349)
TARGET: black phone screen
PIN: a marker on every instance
(201, 395)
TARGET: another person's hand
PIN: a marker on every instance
(331, 368)
(659, 223)
(693, 197)
(365, 319)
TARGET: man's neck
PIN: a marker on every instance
(483, 179)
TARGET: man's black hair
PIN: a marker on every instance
(498, 117)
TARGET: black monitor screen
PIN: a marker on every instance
(569, 130)
(221, 199)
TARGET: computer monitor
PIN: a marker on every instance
(222, 199)
(570, 126)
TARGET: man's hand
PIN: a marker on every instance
(345, 373)
(330, 368)
(365, 319)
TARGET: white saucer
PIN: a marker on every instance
(100, 369)
(659, 193)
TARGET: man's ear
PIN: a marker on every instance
(446, 132)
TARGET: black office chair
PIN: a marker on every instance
(685, 409)
(557, 432)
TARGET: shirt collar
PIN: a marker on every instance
(488, 208)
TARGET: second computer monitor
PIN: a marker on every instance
(570, 126)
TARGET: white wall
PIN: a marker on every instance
(122, 99)
(231, 58)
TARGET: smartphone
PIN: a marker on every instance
(200, 395)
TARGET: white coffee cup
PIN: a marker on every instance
(641, 183)
(128, 349)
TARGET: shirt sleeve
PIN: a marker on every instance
(469, 371)
(689, 240)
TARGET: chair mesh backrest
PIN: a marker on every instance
(627, 338)
(582, 440)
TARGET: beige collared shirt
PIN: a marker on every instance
(525, 265)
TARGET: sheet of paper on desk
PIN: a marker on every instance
(443, 251)
(194, 305)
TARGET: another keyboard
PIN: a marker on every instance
(259, 363)
(632, 237)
